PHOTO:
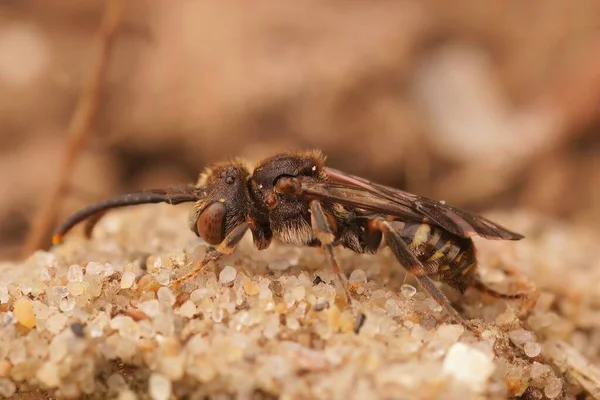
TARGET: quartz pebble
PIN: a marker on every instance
(408, 291)
(94, 268)
(468, 365)
(358, 276)
(532, 349)
(127, 395)
(7, 388)
(159, 387)
(553, 388)
(75, 274)
(166, 298)
(187, 309)
(56, 322)
(23, 312)
(127, 280)
(227, 275)
(521, 336)
(250, 288)
(48, 375)
(4, 297)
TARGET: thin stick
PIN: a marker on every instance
(79, 127)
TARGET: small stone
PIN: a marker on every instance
(5, 367)
(299, 292)
(23, 312)
(271, 326)
(506, 318)
(217, 313)
(264, 290)
(127, 327)
(408, 291)
(539, 370)
(127, 395)
(56, 323)
(45, 275)
(94, 268)
(75, 274)
(159, 387)
(78, 329)
(4, 297)
(48, 375)
(67, 305)
(391, 306)
(468, 365)
(17, 354)
(59, 291)
(58, 349)
(553, 387)
(8, 318)
(127, 280)
(250, 288)
(94, 288)
(521, 336)
(164, 276)
(358, 276)
(227, 275)
(173, 367)
(292, 322)
(163, 323)
(288, 298)
(116, 382)
(187, 309)
(7, 388)
(77, 288)
(532, 349)
(96, 327)
(166, 299)
(151, 308)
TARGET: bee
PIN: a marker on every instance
(295, 199)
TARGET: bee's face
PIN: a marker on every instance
(225, 204)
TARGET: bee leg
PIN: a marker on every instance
(408, 260)
(224, 249)
(324, 233)
(483, 288)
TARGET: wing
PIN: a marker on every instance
(359, 193)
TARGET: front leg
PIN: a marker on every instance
(224, 249)
(324, 233)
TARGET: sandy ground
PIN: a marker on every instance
(77, 322)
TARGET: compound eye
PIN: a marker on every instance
(211, 223)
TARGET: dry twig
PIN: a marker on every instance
(79, 127)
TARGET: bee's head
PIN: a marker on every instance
(224, 204)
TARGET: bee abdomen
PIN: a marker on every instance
(451, 257)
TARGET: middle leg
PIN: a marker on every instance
(324, 233)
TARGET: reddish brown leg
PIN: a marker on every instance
(482, 287)
(225, 248)
(324, 233)
(409, 261)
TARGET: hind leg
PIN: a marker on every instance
(409, 261)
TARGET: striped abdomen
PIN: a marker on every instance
(446, 257)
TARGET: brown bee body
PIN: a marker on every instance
(294, 198)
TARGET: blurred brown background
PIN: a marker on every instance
(483, 104)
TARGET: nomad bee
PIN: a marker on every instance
(296, 199)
